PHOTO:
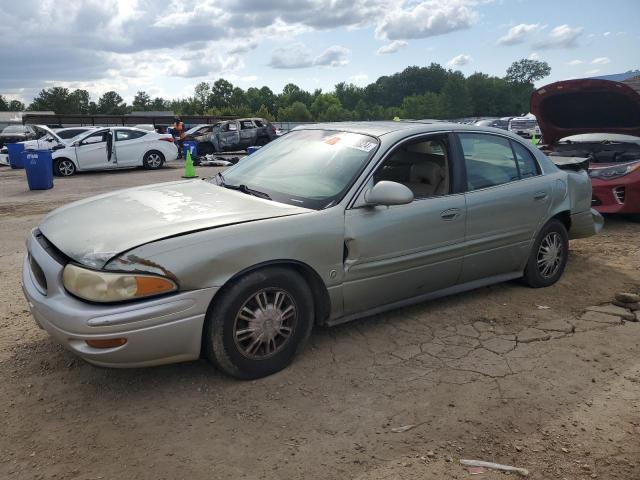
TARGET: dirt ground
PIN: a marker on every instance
(485, 375)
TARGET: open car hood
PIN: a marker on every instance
(580, 106)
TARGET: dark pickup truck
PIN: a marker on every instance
(231, 135)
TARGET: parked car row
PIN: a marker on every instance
(105, 148)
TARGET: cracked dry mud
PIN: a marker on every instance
(486, 375)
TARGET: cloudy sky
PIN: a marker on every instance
(167, 47)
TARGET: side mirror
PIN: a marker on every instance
(388, 193)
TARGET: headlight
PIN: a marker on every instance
(608, 173)
(113, 287)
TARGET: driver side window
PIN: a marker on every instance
(421, 165)
(96, 137)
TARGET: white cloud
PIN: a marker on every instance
(592, 72)
(562, 36)
(297, 55)
(601, 61)
(393, 47)
(573, 63)
(534, 56)
(459, 60)
(519, 33)
(424, 19)
(606, 34)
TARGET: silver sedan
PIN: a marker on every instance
(327, 224)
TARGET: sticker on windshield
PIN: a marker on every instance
(364, 145)
(332, 140)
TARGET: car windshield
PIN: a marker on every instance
(14, 129)
(308, 168)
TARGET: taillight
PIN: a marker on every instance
(166, 139)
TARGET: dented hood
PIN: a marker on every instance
(574, 107)
(94, 230)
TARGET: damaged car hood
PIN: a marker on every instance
(574, 107)
(94, 230)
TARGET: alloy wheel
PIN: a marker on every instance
(550, 255)
(66, 167)
(154, 160)
(265, 323)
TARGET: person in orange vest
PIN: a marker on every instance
(179, 135)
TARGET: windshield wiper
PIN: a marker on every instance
(244, 189)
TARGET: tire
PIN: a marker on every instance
(205, 148)
(153, 160)
(63, 167)
(245, 314)
(548, 257)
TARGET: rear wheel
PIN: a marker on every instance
(548, 256)
(63, 167)
(205, 148)
(257, 325)
(153, 160)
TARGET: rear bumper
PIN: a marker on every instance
(159, 331)
(621, 195)
(585, 224)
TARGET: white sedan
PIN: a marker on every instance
(111, 148)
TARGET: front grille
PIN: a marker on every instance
(619, 194)
(38, 274)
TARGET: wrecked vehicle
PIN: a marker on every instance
(18, 133)
(526, 126)
(329, 223)
(596, 122)
(231, 135)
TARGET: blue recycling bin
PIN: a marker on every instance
(253, 149)
(39, 167)
(15, 154)
(191, 146)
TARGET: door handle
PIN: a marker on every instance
(540, 196)
(450, 214)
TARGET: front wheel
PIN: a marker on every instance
(63, 167)
(153, 160)
(548, 256)
(259, 323)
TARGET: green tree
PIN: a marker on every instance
(202, 93)
(55, 99)
(221, 92)
(263, 112)
(422, 106)
(527, 71)
(78, 102)
(110, 103)
(322, 103)
(296, 112)
(142, 101)
(456, 101)
(348, 94)
(4, 105)
(16, 106)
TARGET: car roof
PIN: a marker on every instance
(380, 128)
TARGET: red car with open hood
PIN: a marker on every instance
(598, 121)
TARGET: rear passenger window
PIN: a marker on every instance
(123, 135)
(246, 125)
(526, 162)
(489, 160)
(258, 123)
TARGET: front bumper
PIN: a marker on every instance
(158, 331)
(620, 195)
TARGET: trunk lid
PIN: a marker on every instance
(94, 230)
(573, 107)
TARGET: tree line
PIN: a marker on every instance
(416, 92)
